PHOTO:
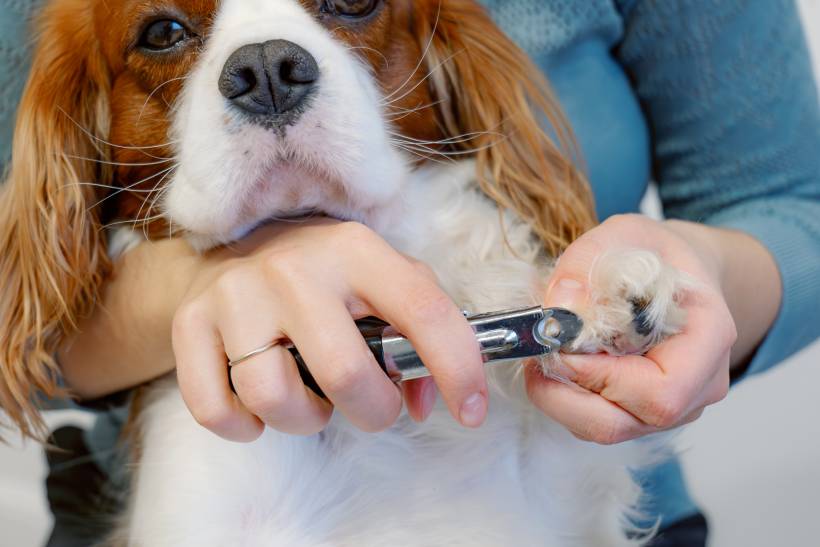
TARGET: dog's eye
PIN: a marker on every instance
(163, 34)
(350, 8)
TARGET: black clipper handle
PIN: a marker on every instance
(371, 329)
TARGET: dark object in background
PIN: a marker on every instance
(689, 532)
(80, 494)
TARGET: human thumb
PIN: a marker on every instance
(566, 292)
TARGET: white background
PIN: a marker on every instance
(753, 461)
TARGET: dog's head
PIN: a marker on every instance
(207, 117)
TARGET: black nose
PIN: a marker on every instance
(269, 79)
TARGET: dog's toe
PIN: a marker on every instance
(635, 303)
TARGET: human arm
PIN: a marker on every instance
(127, 340)
(733, 110)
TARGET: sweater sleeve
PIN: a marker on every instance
(16, 40)
(727, 88)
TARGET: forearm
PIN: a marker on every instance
(749, 278)
(127, 340)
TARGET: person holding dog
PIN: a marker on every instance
(714, 101)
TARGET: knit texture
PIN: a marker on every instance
(727, 89)
(15, 47)
(540, 26)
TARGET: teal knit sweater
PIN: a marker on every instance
(713, 99)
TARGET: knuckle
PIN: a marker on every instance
(665, 411)
(352, 233)
(603, 432)
(428, 305)
(188, 316)
(265, 399)
(458, 376)
(623, 220)
(343, 376)
(213, 417)
(285, 266)
(231, 283)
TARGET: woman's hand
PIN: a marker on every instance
(307, 283)
(614, 399)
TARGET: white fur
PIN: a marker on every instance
(232, 175)
(519, 480)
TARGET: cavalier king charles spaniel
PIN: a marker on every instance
(418, 118)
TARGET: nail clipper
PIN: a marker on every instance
(502, 336)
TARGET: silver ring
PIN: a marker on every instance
(267, 347)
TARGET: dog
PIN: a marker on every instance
(418, 118)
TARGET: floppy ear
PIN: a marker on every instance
(489, 97)
(53, 253)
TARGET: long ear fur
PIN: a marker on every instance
(53, 254)
(490, 95)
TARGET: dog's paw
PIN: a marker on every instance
(635, 303)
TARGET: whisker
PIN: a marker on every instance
(120, 164)
(457, 139)
(111, 187)
(426, 77)
(151, 203)
(111, 144)
(429, 44)
(425, 154)
(400, 113)
(150, 95)
(465, 152)
(445, 154)
(133, 222)
(130, 186)
(374, 50)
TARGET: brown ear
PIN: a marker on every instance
(489, 90)
(53, 254)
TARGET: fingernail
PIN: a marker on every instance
(473, 410)
(428, 399)
(565, 293)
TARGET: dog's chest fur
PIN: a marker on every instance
(519, 480)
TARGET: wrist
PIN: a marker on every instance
(152, 280)
(747, 277)
(707, 243)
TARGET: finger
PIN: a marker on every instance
(639, 386)
(423, 269)
(270, 387)
(268, 384)
(338, 358)
(420, 397)
(686, 372)
(440, 334)
(202, 373)
(569, 283)
(585, 414)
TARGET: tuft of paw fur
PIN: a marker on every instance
(635, 303)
